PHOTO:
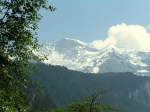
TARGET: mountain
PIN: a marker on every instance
(80, 56)
(126, 91)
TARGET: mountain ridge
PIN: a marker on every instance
(78, 55)
(125, 91)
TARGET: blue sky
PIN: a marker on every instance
(89, 20)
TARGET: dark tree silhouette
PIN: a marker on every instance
(18, 41)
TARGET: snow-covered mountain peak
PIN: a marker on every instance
(77, 55)
(75, 41)
(67, 42)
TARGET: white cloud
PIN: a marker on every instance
(134, 37)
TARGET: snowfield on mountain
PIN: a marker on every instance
(81, 56)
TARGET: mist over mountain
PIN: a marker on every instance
(81, 56)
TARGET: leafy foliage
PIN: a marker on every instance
(89, 104)
(18, 41)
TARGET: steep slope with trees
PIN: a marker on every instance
(122, 90)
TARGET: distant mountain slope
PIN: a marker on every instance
(129, 92)
(77, 55)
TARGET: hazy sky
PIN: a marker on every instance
(89, 20)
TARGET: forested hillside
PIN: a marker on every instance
(126, 91)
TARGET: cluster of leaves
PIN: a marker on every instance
(88, 104)
(18, 41)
